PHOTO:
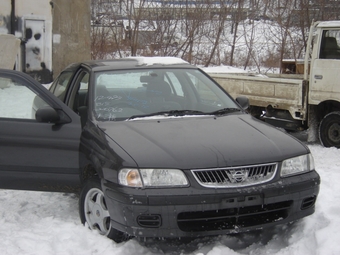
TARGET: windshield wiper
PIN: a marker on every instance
(169, 113)
(225, 111)
(186, 112)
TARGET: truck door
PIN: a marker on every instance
(325, 75)
(36, 154)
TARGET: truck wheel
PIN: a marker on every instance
(93, 211)
(329, 130)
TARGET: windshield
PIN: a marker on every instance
(121, 95)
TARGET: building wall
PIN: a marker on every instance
(31, 22)
(55, 32)
(5, 10)
(71, 32)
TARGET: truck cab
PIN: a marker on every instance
(296, 102)
(324, 83)
(325, 75)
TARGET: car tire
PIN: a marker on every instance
(329, 130)
(94, 213)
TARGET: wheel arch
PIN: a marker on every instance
(316, 113)
(327, 107)
(329, 130)
(93, 210)
(91, 169)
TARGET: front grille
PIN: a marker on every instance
(235, 176)
(233, 218)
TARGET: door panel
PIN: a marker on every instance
(34, 155)
(325, 75)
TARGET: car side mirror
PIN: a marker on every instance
(243, 102)
(47, 115)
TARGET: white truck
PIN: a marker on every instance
(307, 102)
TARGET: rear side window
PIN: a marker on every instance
(59, 86)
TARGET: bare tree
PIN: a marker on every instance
(237, 17)
(166, 37)
(282, 15)
(249, 40)
(194, 20)
(220, 18)
(198, 31)
(106, 32)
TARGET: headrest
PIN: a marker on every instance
(158, 88)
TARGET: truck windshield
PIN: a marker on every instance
(119, 95)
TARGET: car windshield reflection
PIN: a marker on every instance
(128, 94)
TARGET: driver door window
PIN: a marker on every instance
(17, 101)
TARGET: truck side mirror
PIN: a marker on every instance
(243, 102)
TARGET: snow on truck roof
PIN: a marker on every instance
(333, 23)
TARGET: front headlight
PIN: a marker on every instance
(297, 165)
(152, 178)
(130, 177)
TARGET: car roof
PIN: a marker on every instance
(132, 63)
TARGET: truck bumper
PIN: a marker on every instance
(288, 124)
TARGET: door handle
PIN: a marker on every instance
(318, 77)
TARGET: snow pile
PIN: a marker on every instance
(223, 69)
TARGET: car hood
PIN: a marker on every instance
(202, 142)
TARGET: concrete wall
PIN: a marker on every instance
(9, 49)
(5, 10)
(71, 32)
(56, 32)
(31, 22)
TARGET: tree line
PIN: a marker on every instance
(243, 33)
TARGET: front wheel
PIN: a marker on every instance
(94, 212)
(329, 130)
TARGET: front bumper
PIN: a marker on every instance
(198, 211)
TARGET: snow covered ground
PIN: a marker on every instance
(48, 223)
(38, 223)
